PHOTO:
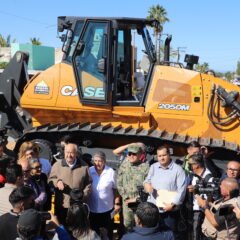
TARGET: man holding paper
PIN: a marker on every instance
(166, 184)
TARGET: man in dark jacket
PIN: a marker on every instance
(147, 219)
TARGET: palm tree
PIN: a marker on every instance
(201, 67)
(6, 42)
(159, 13)
(238, 68)
(229, 76)
(35, 41)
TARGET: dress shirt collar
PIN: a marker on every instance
(77, 163)
(93, 170)
(72, 165)
(170, 166)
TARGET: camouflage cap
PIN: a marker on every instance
(134, 149)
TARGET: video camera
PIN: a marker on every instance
(45, 216)
(3, 136)
(225, 210)
(210, 188)
(60, 152)
(143, 196)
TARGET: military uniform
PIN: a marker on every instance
(130, 175)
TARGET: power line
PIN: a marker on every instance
(210, 50)
(26, 19)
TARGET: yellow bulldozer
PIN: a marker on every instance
(109, 91)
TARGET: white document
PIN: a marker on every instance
(164, 196)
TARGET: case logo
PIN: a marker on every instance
(41, 88)
(88, 91)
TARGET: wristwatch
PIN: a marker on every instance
(205, 207)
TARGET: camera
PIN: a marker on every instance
(210, 188)
(3, 136)
(60, 152)
(143, 196)
(225, 210)
(45, 216)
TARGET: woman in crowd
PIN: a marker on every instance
(30, 150)
(103, 194)
(38, 182)
(78, 224)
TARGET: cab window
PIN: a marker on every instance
(132, 67)
(93, 79)
(74, 40)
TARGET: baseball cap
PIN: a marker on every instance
(134, 149)
(30, 218)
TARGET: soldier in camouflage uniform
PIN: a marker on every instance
(131, 174)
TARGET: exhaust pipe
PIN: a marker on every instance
(167, 50)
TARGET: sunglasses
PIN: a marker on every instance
(233, 170)
(191, 163)
(37, 167)
(131, 153)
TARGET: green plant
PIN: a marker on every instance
(159, 13)
(6, 42)
(35, 41)
(3, 65)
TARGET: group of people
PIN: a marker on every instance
(189, 193)
(210, 189)
(165, 199)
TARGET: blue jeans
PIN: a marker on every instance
(168, 221)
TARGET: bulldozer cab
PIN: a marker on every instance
(109, 64)
(107, 55)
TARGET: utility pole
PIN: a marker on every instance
(180, 49)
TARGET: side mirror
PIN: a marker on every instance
(63, 37)
(101, 65)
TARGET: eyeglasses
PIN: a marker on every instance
(26, 171)
(233, 170)
(131, 153)
(37, 167)
(191, 163)
(31, 153)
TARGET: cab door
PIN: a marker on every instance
(91, 60)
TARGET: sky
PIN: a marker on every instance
(207, 28)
